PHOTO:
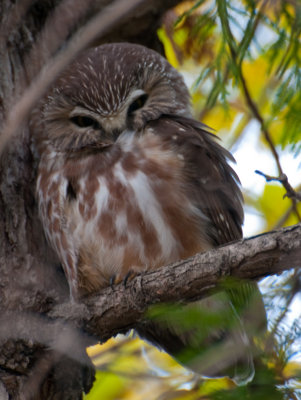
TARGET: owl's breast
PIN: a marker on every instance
(132, 212)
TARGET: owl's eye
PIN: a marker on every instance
(138, 103)
(85, 122)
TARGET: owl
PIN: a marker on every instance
(128, 182)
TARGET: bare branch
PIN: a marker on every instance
(253, 107)
(290, 192)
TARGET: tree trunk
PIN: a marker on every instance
(32, 281)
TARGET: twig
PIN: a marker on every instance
(282, 176)
(253, 107)
(283, 219)
(291, 295)
(290, 192)
(260, 119)
(59, 24)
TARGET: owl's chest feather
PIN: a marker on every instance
(130, 212)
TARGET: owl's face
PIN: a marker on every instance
(108, 90)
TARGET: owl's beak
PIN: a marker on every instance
(115, 134)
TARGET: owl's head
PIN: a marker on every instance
(108, 90)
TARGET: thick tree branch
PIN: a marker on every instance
(117, 309)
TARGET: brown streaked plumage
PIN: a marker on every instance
(128, 181)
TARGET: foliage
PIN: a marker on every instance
(243, 61)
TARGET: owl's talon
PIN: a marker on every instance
(129, 276)
(112, 281)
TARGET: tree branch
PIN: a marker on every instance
(117, 309)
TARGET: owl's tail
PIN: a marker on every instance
(213, 336)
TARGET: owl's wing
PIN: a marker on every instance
(212, 183)
(214, 188)
(52, 193)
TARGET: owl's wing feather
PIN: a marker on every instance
(214, 188)
(53, 192)
(211, 181)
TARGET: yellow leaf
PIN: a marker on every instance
(106, 386)
(272, 204)
(292, 370)
(168, 48)
(255, 73)
(219, 119)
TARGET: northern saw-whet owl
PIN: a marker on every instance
(128, 181)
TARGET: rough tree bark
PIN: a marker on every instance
(31, 278)
(32, 285)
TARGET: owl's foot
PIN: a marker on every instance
(129, 276)
(116, 279)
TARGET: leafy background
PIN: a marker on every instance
(241, 60)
